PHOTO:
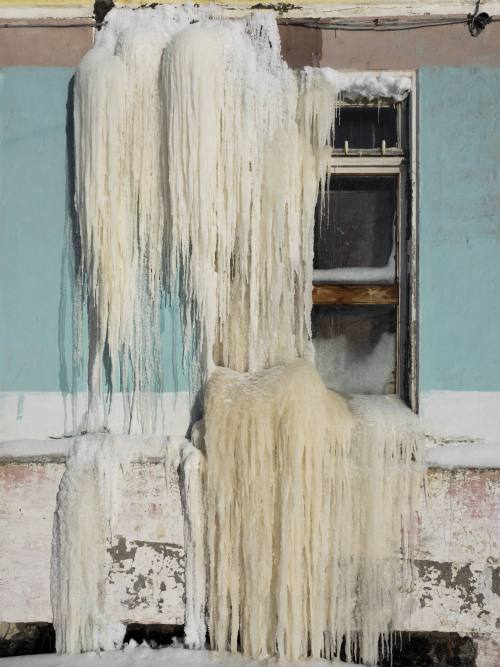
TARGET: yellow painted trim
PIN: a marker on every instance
(44, 3)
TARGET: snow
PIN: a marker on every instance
(463, 456)
(357, 274)
(31, 449)
(369, 86)
(143, 656)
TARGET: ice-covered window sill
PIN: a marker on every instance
(448, 456)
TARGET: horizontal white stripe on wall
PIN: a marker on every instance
(43, 415)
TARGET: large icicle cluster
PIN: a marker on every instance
(310, 507)
(199, 154)
(199, 157)
(84, 517)
(120, 208)
(87, 510)
(253, 140)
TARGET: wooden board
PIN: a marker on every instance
(355, 294)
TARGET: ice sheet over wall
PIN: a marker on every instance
(199, 158)
(36, 329)
(183, 122)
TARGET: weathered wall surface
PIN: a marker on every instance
(402, 50)
(56, 46)
(456, 585)
(146, 556)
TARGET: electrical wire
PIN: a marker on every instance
(476, 23)
(378, 25)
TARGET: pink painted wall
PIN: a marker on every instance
(451, 45)
(44, 47)
(403, 49)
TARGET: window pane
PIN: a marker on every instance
(357, 230)
(355, 348)
(366, 127)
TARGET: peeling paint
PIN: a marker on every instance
(459, 578)
(146, 571)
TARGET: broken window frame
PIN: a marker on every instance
(400, 162)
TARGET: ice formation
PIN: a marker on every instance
(182, 131)
(240, 224)
(190, 465)
(120, 208)
(310, 503)
(87, 509)
(83, 524)
(199, 158)
(349, 368)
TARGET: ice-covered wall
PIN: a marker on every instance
(459, 251)
(35, 295)
(457, 583)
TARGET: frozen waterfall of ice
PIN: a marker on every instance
(86, 512)
(83, 524)
(311, 503)
(199, 158)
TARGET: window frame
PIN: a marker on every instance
(402, 293)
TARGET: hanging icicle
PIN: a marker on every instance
(310, 509)
(199, 158)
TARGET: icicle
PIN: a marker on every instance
(240, 224)
(307, 508)
(86, 505)
(119, 204)
(190, 465)
(199, 159)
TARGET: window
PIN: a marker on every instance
(360, 292)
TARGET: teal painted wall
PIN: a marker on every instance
(459, 229)
(35, 287)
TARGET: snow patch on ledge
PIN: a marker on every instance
(482, 455)
(463, 456)
(56, 450)
(368, 86)
(356, 274)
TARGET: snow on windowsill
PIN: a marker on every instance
(377, 274)
(369, 86)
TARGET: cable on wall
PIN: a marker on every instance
(476, 22)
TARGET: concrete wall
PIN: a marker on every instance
(456, 587)
(404, 49)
